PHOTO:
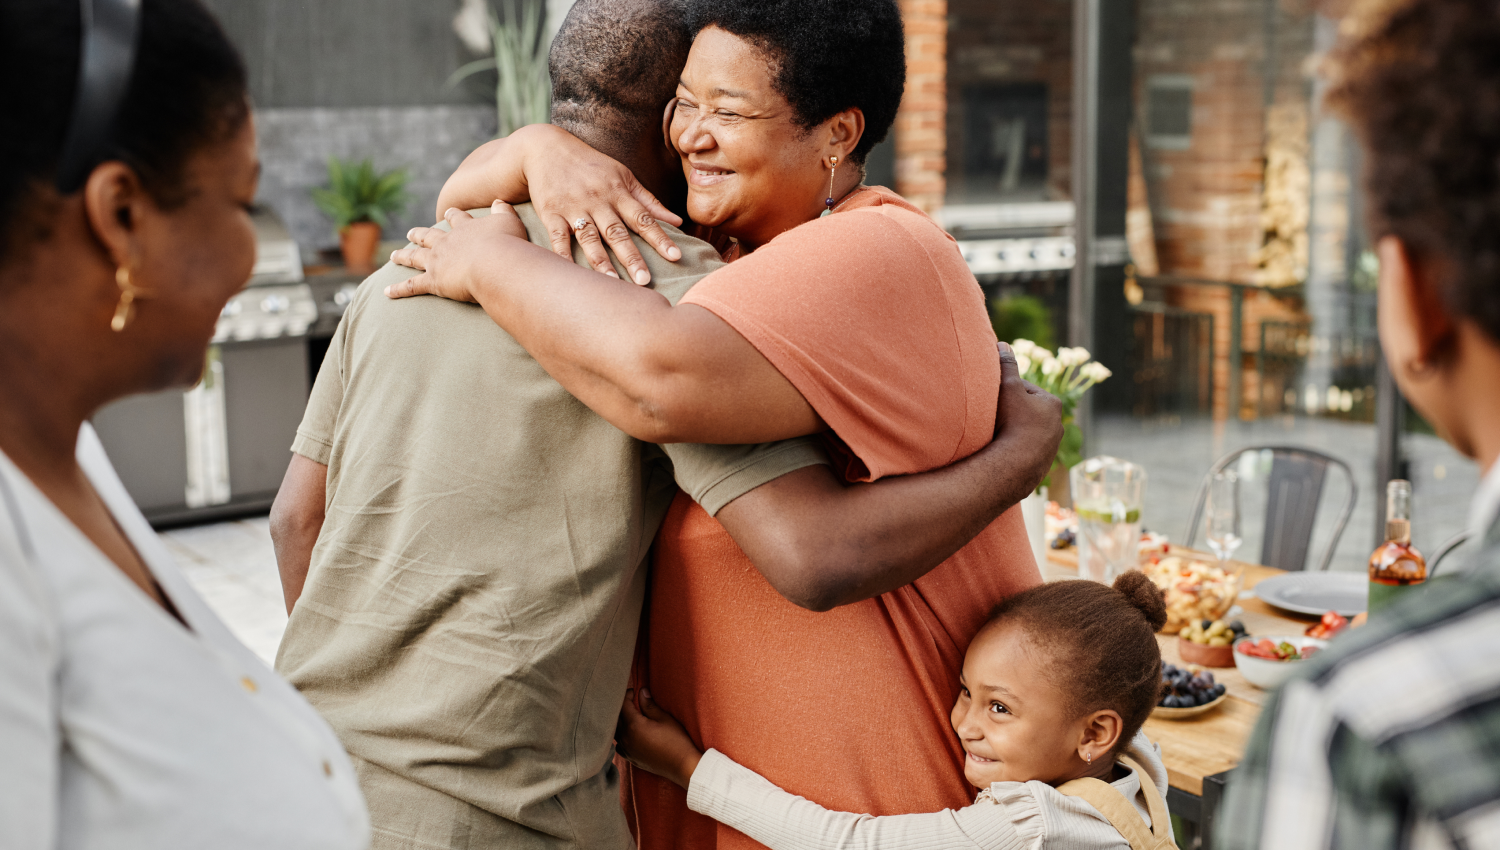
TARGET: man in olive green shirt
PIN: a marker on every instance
(475, 593)
(471, 604)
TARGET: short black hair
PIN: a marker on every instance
(829, 55)
(187, 89)
(1419, 80)
(616, 63)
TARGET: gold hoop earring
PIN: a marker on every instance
(828, 204)
(129, 294)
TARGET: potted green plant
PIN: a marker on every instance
(1068, 374)
(361, 201)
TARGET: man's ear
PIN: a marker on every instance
(1416, 328)
(115, 202)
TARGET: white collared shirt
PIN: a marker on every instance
(120, 728)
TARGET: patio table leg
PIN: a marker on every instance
(1198, 814)
(1187, 809)
(1213, 795)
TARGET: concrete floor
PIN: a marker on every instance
(233, 566)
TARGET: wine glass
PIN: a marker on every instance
(1224, 514)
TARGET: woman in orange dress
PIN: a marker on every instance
(848, 313)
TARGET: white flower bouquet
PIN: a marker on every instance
(1068, 374)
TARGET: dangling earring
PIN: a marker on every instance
(828, 204)
(129, 294)
(1088, 758)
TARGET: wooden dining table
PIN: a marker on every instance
(1199, 752)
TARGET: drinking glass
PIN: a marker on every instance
(1107, 494)
(1218, 587)
(1224, 514)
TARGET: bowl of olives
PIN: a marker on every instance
(1209, 642)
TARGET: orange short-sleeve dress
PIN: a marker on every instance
(875, 318)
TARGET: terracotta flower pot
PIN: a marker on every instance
(358, 242)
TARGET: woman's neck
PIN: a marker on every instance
(39, 417)
(846, 183)
(53, 382)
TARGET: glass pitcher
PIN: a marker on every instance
(1107, 495)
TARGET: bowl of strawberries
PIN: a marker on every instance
(1268, 661)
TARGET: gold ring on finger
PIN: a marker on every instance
(580, 224)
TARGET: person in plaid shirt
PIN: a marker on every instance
(1391, 738)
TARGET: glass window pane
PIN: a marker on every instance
(1252, 303)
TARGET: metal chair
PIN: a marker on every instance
(1293, 491)
(1445, 550)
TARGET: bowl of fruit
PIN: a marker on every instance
(1268, 661)
(1186, 692)
(1194, 590)
(1209, 642)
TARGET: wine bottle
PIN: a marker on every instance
(1396, 567)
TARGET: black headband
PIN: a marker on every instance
(110, 31)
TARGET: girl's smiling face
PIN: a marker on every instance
(1014, 720)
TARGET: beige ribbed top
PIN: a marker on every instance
(1005, 816)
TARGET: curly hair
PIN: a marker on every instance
(187, 90)
(1419, 80)
(828, 55)
(1102, 640)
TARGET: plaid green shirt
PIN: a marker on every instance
(1389, 739)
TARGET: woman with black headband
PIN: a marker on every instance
(129, 716)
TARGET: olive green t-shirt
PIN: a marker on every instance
(469, 617)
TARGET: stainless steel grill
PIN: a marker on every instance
(222, 447)
(1018, 239)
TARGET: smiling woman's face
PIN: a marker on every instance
(752, 171)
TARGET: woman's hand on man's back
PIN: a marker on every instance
(578, 192)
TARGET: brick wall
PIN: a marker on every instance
(921, 144)
(1207, 201)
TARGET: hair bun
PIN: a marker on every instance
(1147, 598)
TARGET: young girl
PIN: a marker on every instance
(1053, 693)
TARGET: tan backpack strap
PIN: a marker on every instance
(1122, 814)
(1161, 822)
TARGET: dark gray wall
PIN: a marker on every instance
(356, 79)
(346, 53)
(428, 141)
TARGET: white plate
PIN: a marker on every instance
(1316, 593)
